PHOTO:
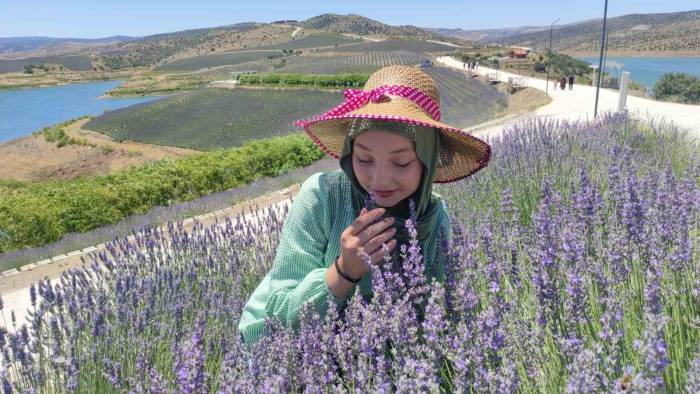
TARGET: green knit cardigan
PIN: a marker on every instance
(310, 243)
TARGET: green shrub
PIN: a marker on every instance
(329, 80)
(681, 87)
(39, 213)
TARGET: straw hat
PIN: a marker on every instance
(401, 94)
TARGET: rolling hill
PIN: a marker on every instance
(23, 44)
(159, 49)
(667, 32)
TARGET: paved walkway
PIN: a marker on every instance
(578, 104)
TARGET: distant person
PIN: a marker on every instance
(571, 82)
(555, 82)
(562, 82)
(476, 65)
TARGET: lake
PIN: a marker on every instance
(648, 70)
(23, 111)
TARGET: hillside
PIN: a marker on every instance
(166, 48)
(13, 45)
(669, 32)
(160, 49)
(486, 35)
(360, 25)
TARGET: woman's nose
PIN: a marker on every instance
(382, 176)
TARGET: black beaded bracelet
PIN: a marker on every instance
(344, 275)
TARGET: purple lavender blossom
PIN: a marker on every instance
(190, 367)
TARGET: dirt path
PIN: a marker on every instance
(149, 151)
(32, 158)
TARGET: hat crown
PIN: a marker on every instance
(404, 76)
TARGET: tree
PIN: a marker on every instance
(679, 86)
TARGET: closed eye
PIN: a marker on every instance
(396, 164)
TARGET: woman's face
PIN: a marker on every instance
(384, 161)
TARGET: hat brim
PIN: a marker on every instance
(461, 154)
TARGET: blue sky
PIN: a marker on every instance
(93, 19)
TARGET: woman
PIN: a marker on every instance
(390, 143)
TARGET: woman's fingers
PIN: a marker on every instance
(376, 242)
(363, 220)
(378, 255)
(373, 230)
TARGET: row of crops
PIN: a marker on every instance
(71, 62)
(210, 118)
(465, 101)
(198, 62)
(313, 41)
(43, 212)
(394, 45)
(360, 57)
(365, 62)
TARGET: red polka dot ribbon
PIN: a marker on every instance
(355, 98)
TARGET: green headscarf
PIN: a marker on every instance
(427, 145)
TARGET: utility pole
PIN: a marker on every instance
(600, 61)
(549, 55)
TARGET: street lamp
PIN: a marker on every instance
(600, 61)
(549, 55)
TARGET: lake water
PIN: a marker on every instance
(23, 111)
(648, 70)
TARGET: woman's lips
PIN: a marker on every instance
(384, 194)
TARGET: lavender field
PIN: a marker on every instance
(573, 266)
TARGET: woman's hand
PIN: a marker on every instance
(365, 234)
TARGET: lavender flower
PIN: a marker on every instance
(190, 367)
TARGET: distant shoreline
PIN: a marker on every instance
(634, 53)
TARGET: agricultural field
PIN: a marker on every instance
(210, 118)
(71, 62)
(349, 63)
(313, 41)
(200, 62)
(572, 265)
(465, 101)
(346, 63)
(394, 45)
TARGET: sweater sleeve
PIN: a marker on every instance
(444, 228)
(298, 273)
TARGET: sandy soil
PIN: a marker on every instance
(31, 158)
(527, 100)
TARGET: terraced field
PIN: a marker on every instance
(320, 64)
(72, 62)
(465, 101)
(314, 41)
(352, 63)
(210, 118)
(231, 58)
(394, 45)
